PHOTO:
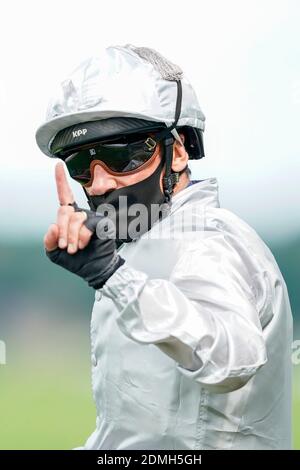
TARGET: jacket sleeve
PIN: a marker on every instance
(204, 316)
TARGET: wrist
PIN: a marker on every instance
(99, 281)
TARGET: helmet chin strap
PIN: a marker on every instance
(170, 178)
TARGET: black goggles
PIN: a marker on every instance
(120, 157)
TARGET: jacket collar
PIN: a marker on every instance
(205, 192)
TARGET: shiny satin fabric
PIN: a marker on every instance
(191, 337)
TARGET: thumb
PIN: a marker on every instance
(51, 238)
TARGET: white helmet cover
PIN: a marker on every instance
(123, 81)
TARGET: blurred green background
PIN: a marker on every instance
(46, 399)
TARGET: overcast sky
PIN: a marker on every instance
(242, 57)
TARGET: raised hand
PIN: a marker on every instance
(69, 231)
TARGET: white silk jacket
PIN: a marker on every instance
(191, 337)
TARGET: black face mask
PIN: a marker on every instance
(127, 220)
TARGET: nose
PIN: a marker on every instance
(102, 182)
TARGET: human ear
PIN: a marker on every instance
(180, 156)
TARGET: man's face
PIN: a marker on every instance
(104, 182)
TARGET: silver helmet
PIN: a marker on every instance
(124, 89)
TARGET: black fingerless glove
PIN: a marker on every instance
(96, 262)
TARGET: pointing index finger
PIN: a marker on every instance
(65, 195)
